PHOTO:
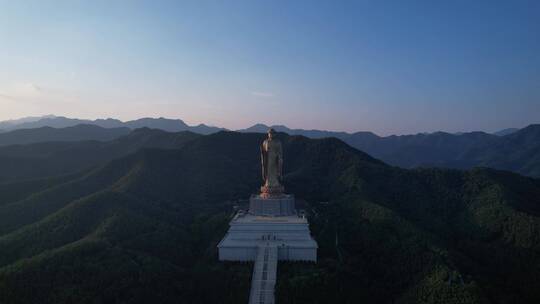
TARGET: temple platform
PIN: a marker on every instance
(282, 205)
(289, 234)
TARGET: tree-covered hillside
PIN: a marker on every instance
(74, 133)
(55, 158)
(512, 150)
(144, 228)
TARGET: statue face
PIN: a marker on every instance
(270, 133)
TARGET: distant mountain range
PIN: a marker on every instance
(57, 154)
(171, 125)
(516, 150)
(50, 134)
(504, 132)
(176, 125)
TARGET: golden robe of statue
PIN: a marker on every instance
(272, 164)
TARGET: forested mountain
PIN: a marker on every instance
(262, 128)
(9, 124)
(38, 160)
(510, 149)
(48, 134)
(143, 229)
(518, 151)
(506, 131)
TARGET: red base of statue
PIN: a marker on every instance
(267, 192)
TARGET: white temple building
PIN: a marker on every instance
(288, 232)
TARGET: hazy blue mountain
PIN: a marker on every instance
(507, 131)
(49, 134)
(205, 129)
(46, 121)
(170, 125)
(438, 149)
(8, 124)
(441, 149)
(434, 149)
(518, 151)
(262, 128)
(143, 228)
(108, 123)
(54, 158)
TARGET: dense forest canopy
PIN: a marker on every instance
(143, 226)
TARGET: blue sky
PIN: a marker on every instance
(392, 67)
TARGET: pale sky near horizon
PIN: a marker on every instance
(391, 67)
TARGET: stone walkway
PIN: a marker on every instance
(264, 275)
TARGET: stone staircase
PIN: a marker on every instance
(264, 275)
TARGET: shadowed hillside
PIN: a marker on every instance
(513, 150)
(143, 228)
(23, 162)
(48, 134)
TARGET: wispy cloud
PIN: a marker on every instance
(20, 92)
(8, 97)
(31, 93)
(262, 94)
(27, 98)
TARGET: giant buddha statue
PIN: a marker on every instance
(272, 166)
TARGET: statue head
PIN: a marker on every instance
(271, 133)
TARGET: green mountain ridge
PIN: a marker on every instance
(73, 133)
(143, 228)
(514, 151)
(39, 160)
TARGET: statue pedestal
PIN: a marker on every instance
(247, 233)
(269, 192)
(282, 205)
(270, 221)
